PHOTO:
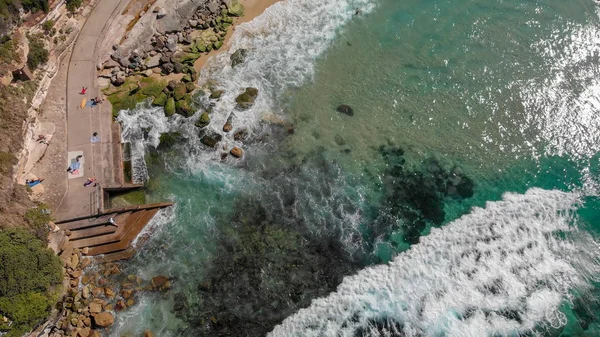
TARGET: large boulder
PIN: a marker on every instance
(203, 121)
(247, 98)
(237, 152)
(216, 94)
(184, 107)
(170, 107)
(161, 100)
(104, 319)
(154, 61)
(234, 7)
(183, 57)
(180, 91)
(239, 56)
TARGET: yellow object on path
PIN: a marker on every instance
(83, 103)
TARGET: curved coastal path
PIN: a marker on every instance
(101, 160)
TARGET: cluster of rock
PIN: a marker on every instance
(92, 297)
(170, 52)
(176, 97)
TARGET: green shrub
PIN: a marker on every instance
(35, 5)
(7, 51)
(25, 311)
(47, 26)
(38, 219)
(38, 54)
(28, 273)
(72, 5)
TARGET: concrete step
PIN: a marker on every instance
(86, 223)
(110, 237)
(101, 230)
(132, 231)
(122, 255)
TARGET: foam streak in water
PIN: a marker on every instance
(498, 270)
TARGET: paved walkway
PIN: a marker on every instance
(101, 159)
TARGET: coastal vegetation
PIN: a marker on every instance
(29, 276)
(9, 11)
(73, 5)
(38, 54)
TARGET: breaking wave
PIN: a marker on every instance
(500, 270)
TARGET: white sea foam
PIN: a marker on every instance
(499, 270)
(283, 44)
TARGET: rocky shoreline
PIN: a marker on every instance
(164, 69)
(94, 293)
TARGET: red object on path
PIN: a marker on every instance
(83, 91)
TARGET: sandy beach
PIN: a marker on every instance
(252, 9)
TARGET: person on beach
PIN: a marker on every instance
(32, 182)
(83, 90)
(74, 167)
(42, 139)
(95, 138)
(89, 181)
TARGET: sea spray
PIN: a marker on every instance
(500, 270)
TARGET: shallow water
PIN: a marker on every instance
(461, 195)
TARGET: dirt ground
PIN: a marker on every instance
(54, 160)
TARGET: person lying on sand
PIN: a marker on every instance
(32, 182)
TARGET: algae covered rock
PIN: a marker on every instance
(184, 107)
(239, 56)
(203, 121)
(216, 94)
(161, 100)
(180, 91)
(235, 8)
(183, 57)
(247, 98)
(190, 86)
(170, 107)
(211, 140)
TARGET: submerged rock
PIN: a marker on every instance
(345, 109)
(238, 57)
(216, 94)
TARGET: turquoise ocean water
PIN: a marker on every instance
(460, 199)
